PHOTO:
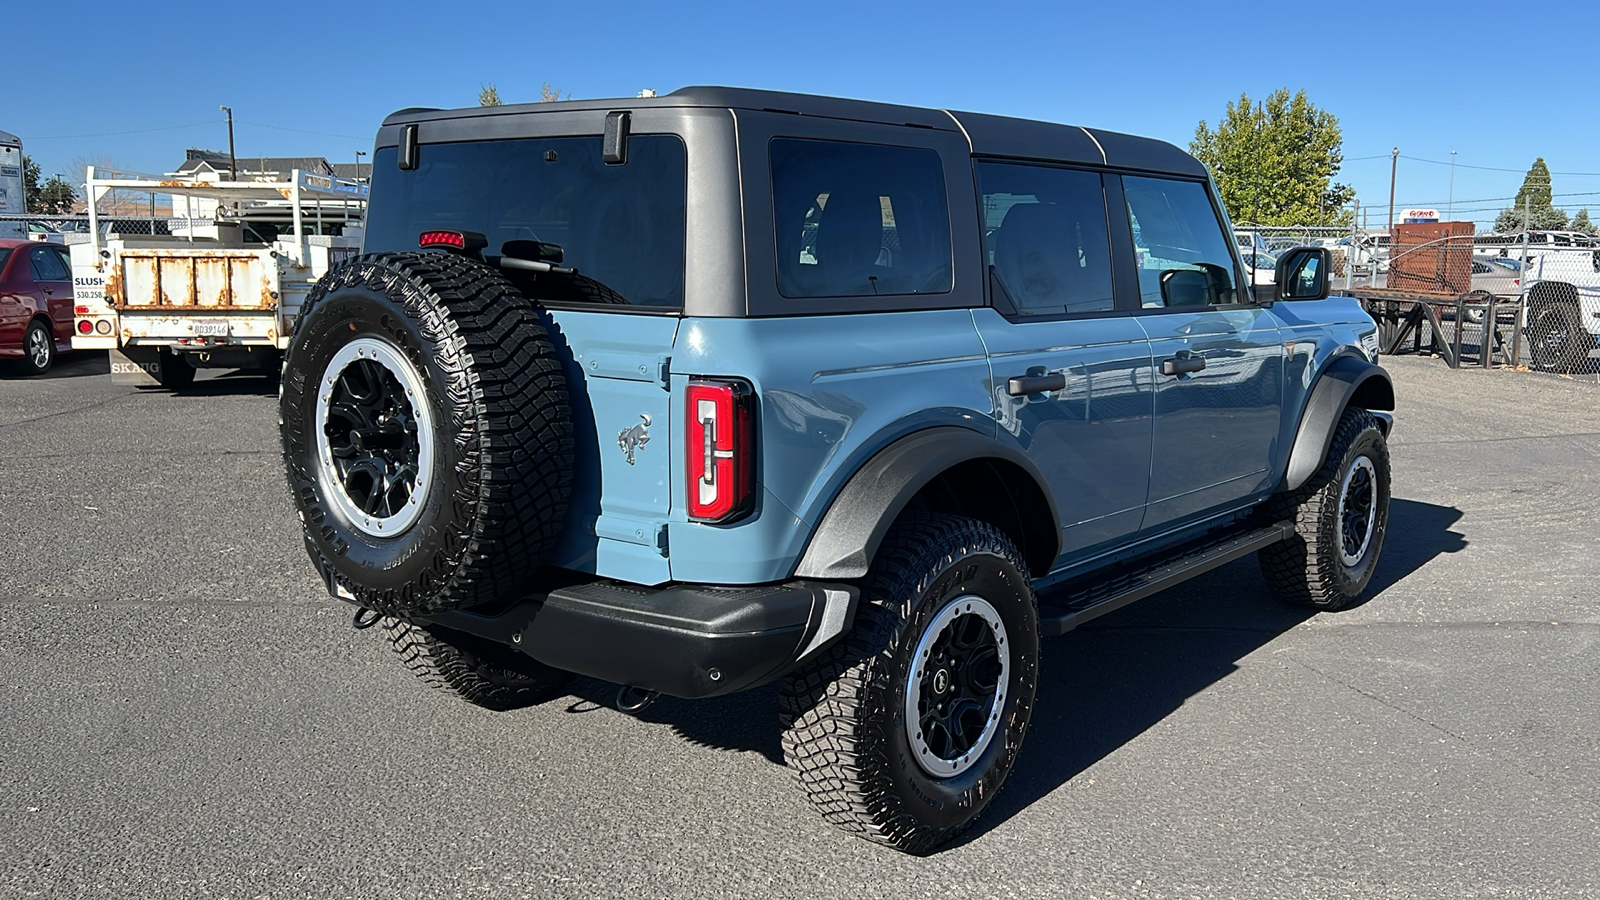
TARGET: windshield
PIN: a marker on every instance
(622, 225)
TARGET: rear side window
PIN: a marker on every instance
(1045, 238)
(858, 220)
(48, 266)
(623, 226)
(1184, 259)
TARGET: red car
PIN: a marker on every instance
(35, 303)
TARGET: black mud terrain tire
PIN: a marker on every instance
(922, 653)
(478, 671)
(1557, 341)
(426, 432)
(1340, 517)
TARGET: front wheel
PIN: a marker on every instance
(1340, 518)
(903, 733)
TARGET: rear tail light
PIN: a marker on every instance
(721, 450)
(85, 326)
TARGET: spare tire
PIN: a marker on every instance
(426, 431)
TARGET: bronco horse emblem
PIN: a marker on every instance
(631, 439)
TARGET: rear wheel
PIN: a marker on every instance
(38, 348)
(903, 732)
(173, 371)
(478, 671)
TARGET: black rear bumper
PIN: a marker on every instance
(681, 640)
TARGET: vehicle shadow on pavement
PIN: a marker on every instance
(1102, 685)
(745, 722)
(231, 384)
(1106, 683)
(78, 364)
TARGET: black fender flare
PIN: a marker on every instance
(848, 535)
(1342, 380)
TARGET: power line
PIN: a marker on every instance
(1437, 162)
(302, 130)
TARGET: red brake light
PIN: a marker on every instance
(464, 241)
(720, 446)
(85, 326)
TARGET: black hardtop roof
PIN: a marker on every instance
(988, 135)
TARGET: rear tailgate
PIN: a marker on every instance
(193, 279)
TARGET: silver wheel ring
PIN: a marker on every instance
(391, 359)
(930, 762)
(1360, 463)
(40, 351)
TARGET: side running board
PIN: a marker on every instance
(1064, 608)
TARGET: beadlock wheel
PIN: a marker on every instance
(1358, 497)
(957, 686)
(374, 437)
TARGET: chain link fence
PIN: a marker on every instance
(1431, 285)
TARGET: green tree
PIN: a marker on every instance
(1580, 222)
(1534, 196)
(51, 198)
(489, 95)
(1535, 190)
(1274, 161)
(548, 94)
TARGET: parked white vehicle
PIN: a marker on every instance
(1563, 301)
(215, 292)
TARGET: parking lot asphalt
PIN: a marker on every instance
(187, 714)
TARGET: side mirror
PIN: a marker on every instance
(1302, 274)
(1185, 287)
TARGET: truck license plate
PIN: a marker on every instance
(210, 327)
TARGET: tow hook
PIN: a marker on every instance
(633, 699)
(362, 624)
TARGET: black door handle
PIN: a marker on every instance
(1022, 385)
(1182, 365)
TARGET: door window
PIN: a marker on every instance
(47, 266)
(1045, 239)
(857, 220)
(1184, 258)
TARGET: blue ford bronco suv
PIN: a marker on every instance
(700, 392)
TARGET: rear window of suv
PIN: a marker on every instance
(621, 225)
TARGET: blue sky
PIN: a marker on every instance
(1428, 78)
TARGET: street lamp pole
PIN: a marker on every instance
(1450, 210)
(359, 154)
(233, 161)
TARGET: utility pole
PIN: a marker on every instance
(1394, 166)
(1450, 210)
(233, 161)
(359, 154)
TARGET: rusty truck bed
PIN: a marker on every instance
(179, 278)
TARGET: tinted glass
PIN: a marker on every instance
(855, 220)
(621, 225)
(5, 253)
(47, 266)
(1045, 238)
(1176, 230)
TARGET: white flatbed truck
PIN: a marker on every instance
(214, 293)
